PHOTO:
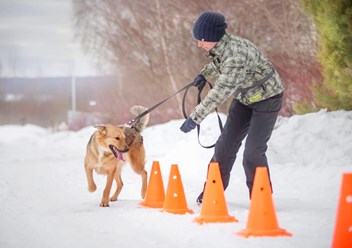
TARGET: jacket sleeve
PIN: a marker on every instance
(231, 76)
(209, 71)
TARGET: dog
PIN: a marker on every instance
(109, 148)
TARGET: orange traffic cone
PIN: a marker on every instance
(214, 208)
(175, 200)
(155, 196)
(262, 219)
(343, 227)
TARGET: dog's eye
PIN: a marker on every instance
(117, 138)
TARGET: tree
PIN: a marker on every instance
(149, 43)
(333, 20)
(286, 34)
(146, 42)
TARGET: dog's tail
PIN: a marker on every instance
(142, 122)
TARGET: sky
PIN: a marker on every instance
(37, 39)
(44, 201)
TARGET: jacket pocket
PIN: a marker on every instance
(256, 94)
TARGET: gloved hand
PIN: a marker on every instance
(199, 81)
(188, 125)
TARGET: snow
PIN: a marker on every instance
(44, 200)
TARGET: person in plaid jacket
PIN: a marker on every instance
(244, 73)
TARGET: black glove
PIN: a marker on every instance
(199, 81)
(188, 125)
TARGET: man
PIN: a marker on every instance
(244, 73)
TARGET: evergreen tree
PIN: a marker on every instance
(333, 21)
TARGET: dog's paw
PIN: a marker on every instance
(143, 194)
(113, 199)
(92, 188)
(104, 204)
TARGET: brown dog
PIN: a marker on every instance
(107, 151)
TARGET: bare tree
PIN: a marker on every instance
(137, 39)
(287, 35)
(149, 44)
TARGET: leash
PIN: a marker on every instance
(186, 88)
(138, 117)
(198, 101)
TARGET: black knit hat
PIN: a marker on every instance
(210, 26)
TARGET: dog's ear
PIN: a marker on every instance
(101, 130)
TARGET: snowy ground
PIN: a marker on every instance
(44, 200)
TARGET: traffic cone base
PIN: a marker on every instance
(214, 219)
(175, 200)
(151, 204)
(262, 219)
(260, 233)
(155, 195)
(178, 211)
(214, 208)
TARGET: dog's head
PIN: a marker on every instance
(112, 137)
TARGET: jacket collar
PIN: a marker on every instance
(220, 46)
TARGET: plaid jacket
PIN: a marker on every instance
(238, 64)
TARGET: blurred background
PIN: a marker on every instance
(69, 64)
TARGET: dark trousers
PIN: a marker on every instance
(256, 122)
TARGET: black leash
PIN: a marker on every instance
(186, 88)
(198, 101)
(137, 118)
